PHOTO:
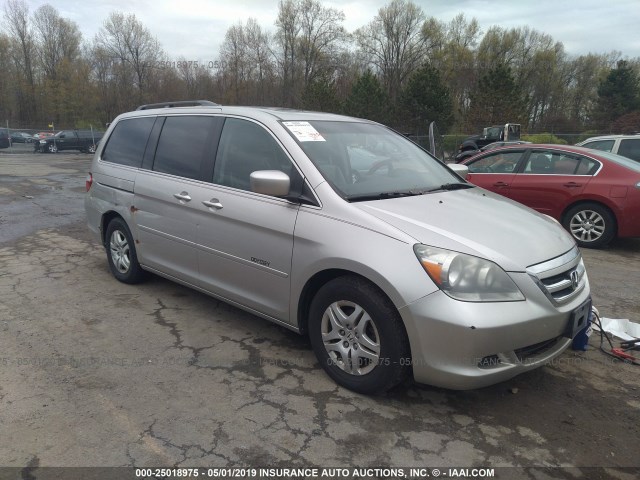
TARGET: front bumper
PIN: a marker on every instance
(466, 345)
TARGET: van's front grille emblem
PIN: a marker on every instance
(575, 279)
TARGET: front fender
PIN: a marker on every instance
(325, 243)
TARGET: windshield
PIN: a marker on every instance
(363, 161)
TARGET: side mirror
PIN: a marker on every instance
(270, 182)
(460, 169)
(62, 135)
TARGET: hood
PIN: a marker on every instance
(476, 222)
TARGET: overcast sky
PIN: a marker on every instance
(194, 29)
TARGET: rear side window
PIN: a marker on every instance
(630, 148)
(604, 145)
(587, 166)
(559, 163)
(128, 141)
(184, 143)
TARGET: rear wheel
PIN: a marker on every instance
(121, 253)
(591, 225)
(358, 336)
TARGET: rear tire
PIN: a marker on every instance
(358, 336)
(591, 225)
(121, 253)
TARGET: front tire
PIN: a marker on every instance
(121, 253)
(52, 148)
(590, 224)
(358, 336)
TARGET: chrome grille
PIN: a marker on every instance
(560, 278)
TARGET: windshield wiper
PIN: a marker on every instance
(451, 186)
(380, 196)
(407, 193)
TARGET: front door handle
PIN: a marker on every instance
(183, 196)
(213, 203)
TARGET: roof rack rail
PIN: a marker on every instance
(182, 103)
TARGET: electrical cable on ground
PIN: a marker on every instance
(620, 353)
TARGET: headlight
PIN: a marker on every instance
(467, 278)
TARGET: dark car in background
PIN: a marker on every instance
(5, 141)
(39, 136)
(21, 137)
(83, 140)
(595, 195)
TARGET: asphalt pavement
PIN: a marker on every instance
(94, 372)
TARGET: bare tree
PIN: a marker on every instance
(321, 31)
(56, 38)
(452, 51)
(394, 43)
(188, 76)
(7, 78)
(261, 54)
(126, 39)
(585, 74)
(22, 47)
(539, 67)
(104, 76)
(246, 64)
(236, 61)
(463, 33)
(288, 28)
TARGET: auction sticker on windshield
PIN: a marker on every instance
(304, 131)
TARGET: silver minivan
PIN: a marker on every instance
(343, 230)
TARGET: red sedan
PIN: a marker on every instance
(595, 195)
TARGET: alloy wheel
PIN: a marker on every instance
(587, 225)
(120, 253)
(350, 338)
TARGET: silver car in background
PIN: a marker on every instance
(343, 230)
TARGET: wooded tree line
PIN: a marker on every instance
(403, 69)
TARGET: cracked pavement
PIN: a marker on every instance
(94, 372)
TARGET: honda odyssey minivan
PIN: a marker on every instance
(343, 230)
